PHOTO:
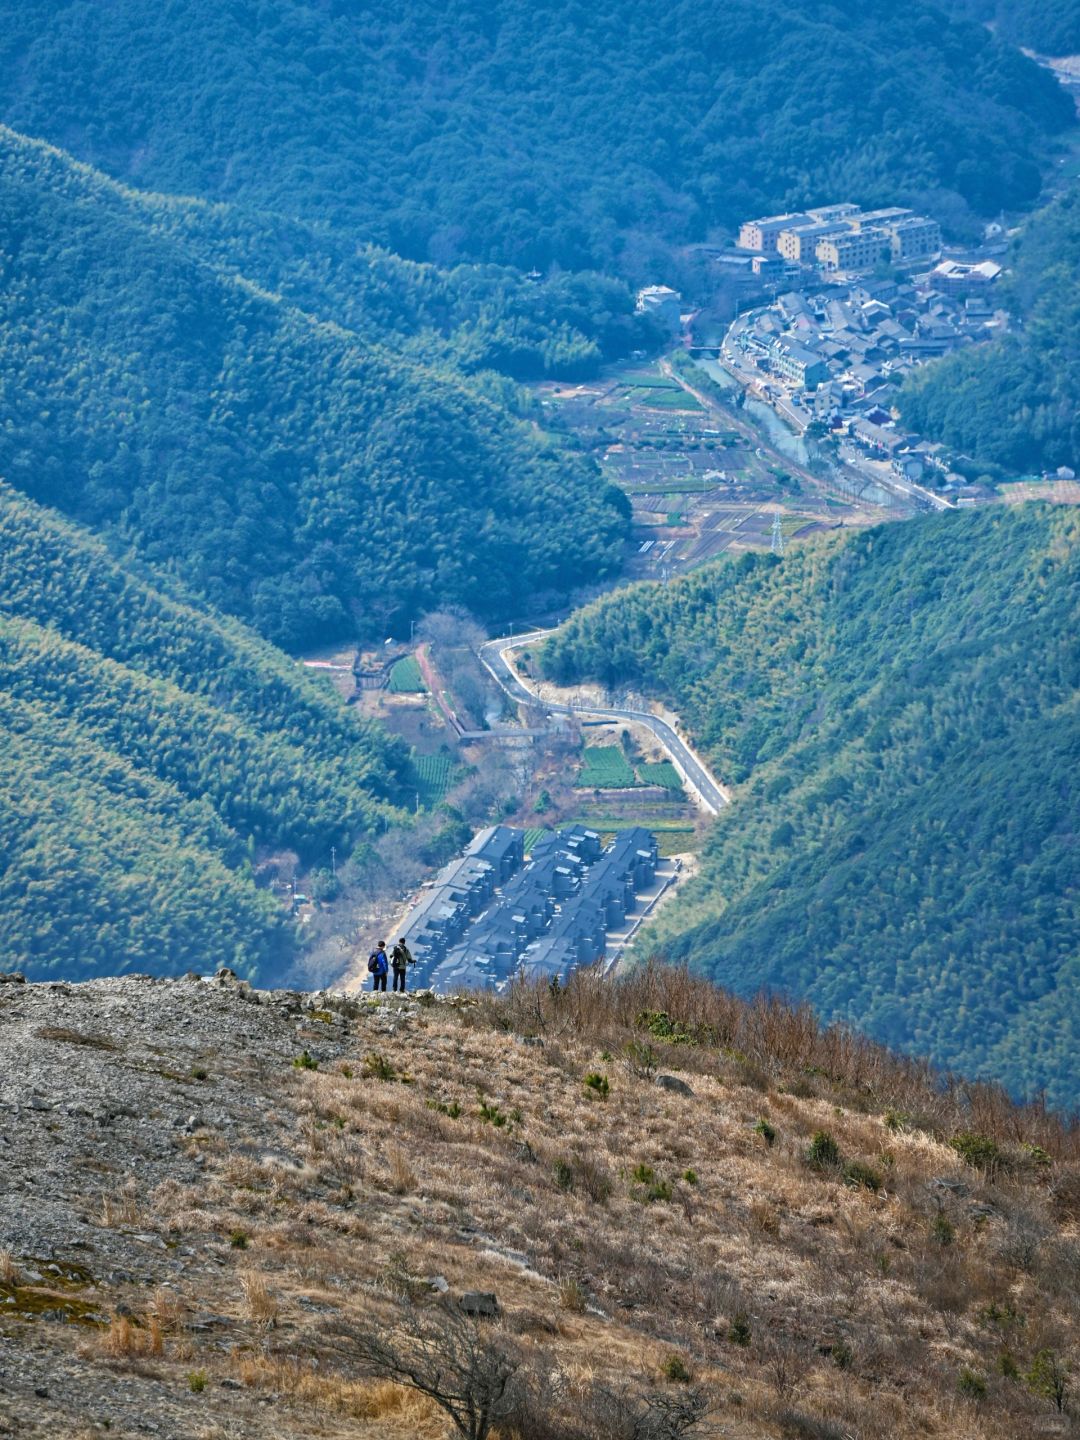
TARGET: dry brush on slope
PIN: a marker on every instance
(249, 1213)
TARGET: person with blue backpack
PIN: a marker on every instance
(378, 965)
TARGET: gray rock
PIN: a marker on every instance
(439, 1283)
(945, 1182)
(674, 1084)
(479, 1302)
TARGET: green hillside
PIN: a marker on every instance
(528, 134)
(301, 475)
(1016, 404)
(899, 713)
(152, 752)
(474, 317)
(1050, 29)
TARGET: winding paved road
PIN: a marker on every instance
(694, 773)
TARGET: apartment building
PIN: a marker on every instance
(843, 237)
(763, 235)
(914, 238)
(798, 244)
(853, 250)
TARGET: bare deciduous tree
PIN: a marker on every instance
(465, 1367)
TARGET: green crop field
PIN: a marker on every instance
(431, 776)
(605, 767)
(665, 399)
(534, 835)
(405, 677)
(662, 772)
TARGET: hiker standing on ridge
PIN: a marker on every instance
(377, 966)
(400, 959)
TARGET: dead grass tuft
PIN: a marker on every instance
(262, 1307)
(124, 1339)
(10, 1275)
(402, 1179)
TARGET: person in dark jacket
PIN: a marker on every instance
(400, 959)
(378, 965)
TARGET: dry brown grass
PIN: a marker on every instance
(125, 1339)
(10, 1274)
(815, 1300)
(261, 1305)
(402, 1179)
(122, 1208)
(329, 1394)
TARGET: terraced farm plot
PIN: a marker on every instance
(673, 837)
(405, 677)
(534, 835)
(605, 767)
(431, 776)
(660, 772)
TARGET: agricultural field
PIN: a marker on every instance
(431, 776)
(673, 837)
(671, 457)
(405, 677)
(605, 767)
(660, 772)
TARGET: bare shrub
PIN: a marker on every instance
(1065, 1196)
(628, 1414)
(468, 1370)
(9, 1271)
(764, 1219)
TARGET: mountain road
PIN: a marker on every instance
(692, 769)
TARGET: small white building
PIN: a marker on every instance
(663, 303)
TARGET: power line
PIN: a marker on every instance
(777, 535)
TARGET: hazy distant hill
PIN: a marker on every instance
(534, 133)
(899, 711)
(301, 473)
(150, 750)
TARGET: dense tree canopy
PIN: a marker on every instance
(534, 133)
(296, 471)
(1051, 27)
(1016, 403)
(899, 714)
(151, 752)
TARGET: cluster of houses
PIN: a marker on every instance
(843, 352)
(492, 913)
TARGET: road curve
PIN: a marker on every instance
(691, 768)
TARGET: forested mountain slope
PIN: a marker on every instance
(298, 473)
(1050, 29)
(150, 751)
(474, 316)
(900, 712)
(580, 134)
(1016, 403)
